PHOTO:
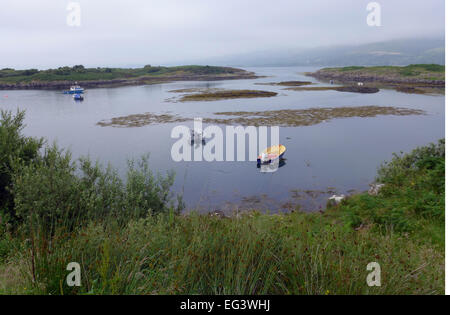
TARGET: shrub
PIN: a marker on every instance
(14, 148)
(49, 194)
(413, 197)
(30, 72)
(49, 189)
(79, 69)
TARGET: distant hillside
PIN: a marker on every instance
(396, 52)
(107, 77)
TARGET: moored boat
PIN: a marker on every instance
(78, 97)
(271, 154)
(197, 136)
(75, 89)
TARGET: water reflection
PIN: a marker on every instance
(271, 167)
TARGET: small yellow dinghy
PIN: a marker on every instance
(271, 154)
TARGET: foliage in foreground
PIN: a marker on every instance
(82, 213)
(44, 191)
(14, 148)
(255, 254)
(412, 200)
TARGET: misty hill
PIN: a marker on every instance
(395, 52)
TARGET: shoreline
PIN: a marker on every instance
(239, 74)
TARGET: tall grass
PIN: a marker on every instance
(254, 254)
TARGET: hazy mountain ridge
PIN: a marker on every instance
(395, 52)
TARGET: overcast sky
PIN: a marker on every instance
(133, 32)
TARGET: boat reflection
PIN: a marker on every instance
(271, 167)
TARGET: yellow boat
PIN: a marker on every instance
(271, 154)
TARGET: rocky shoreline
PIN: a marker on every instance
(59, 85)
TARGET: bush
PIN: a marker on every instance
(30, 71)
(49, 190)
(14, 148)
(50, 195)
(413, 197)
(428, 160)
(79, 69)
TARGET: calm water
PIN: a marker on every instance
(341, 155)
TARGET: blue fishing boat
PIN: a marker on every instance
(75, 89)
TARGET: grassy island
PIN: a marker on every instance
(99, 77)
(417, 78)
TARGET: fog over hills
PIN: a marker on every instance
(394, 52)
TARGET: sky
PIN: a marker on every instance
(35, 34)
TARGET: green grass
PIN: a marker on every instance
(79, 73)
(129, 239)
(416, 70)
(418, 67)
(352, 68)
(255, 254)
